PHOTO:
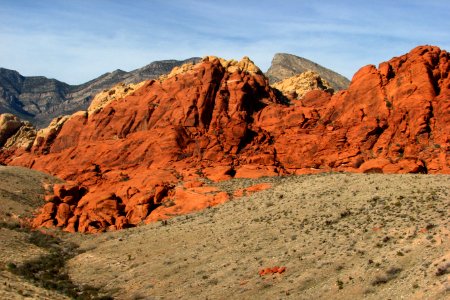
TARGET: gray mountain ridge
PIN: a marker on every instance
(286, 65)
(39, 99)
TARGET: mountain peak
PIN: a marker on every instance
(286, 65)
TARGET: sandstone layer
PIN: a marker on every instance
(221, 120)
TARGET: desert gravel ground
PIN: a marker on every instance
(340, 236)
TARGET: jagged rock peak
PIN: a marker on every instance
(244, 65)
(231, 66)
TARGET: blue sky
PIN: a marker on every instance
(78, 40)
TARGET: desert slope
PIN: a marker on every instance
(21, 193)
(346, 236)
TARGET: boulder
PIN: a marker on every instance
(9, 124)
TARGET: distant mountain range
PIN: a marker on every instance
(39, 99)
(286, 65)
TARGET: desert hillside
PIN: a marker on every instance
(363, 236)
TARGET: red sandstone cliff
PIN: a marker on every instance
(221, 120)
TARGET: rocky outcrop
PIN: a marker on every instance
(39, 99)
(23, 138)
(9, 124)
(70, 208)
(165, 128)
(16, 134)
(117, 92)
(244, 65)
(217, 121)
(287, 65)
(297, 86)
(391, 119)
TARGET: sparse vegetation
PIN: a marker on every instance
(390, 274)
(48, 271)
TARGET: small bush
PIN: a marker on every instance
(391, 274)
(9, 225)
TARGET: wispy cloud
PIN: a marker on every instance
(77, 40)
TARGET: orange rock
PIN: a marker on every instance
(62, 214)
(252, 189)
(52, 198)
(186, 201)
(255, 171)
(69, 199)
(218, 173)
(192, 184)
(46, 216)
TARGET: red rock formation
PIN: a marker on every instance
(393, 119)
(131, 152)
(219, 122)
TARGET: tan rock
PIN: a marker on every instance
(231, 66)
(9, 124)
(178, 70)
(45, 136)
(297, 86)
(23, 138)
(119, 91)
